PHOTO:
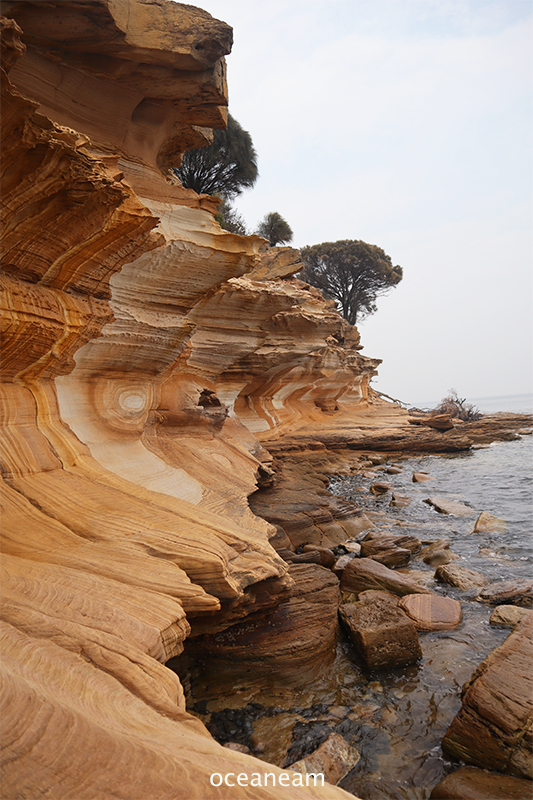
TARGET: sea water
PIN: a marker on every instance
(415, 705)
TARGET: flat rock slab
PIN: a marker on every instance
(469, 783)
(365, 573)
(445, 506)
(384, 635)
(430, 612)
(493, 727)
(509, 616)
(461, 577)
(515, 593)
(486, 523)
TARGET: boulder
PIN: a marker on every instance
(508, 616)
(385, 551)
(437, 553)
(430, 612)
(365, 573)
(516, 593)
(440, 422)
(400, 500)
(341, 563)
(493, 727)
(470, 783)
(383, 634)
(486, 523)
(327, 557)
(352, 547)
(445, 506)
(420, 477)
(380, 488)
(461, 577)
(394, 470)
(334, 759)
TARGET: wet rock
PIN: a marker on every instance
(437, 553)
(400, 500)
(365, 573)
(382, 633)
(493, 727)
(445, 506)
(334, 759)
(384, 550)
(380, 488)
(370, 475)
(470, 783)
(508, 616)
(327, 557)
(461, 577)
(376, 459)
(394, 470)
(430, 612)
(486, 523)
(516, 593)
(419, 576)
(420, 477)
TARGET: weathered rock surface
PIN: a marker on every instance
(470, 783)
(431, 612)
(365, 573)
(509, 616)
(493, 729)
(334, 759)
(383, 634)
(516, 593)
(487, 523)
(461, 577)
(386, 551)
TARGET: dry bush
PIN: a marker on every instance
(458, 408)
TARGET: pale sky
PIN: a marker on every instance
(407, 124)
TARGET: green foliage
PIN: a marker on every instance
(274, 228)
(458, 408)
(225, 167)
(230, 219)
(351, 272)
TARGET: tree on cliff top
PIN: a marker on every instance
(274, 228)
(351, 272)
(225, 167)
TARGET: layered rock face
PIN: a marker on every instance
(144, 351)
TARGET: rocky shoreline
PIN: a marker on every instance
(384, 607)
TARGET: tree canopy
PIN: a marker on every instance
(351, 272)
(274, 228)
(225, 167)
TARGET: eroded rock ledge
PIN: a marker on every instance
(150, 359)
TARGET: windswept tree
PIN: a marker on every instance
(274, 228)
(225, 167)
(229, 218)
(351, 272)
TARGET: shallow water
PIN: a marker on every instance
(397, 718)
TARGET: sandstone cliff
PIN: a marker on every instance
(145, 350)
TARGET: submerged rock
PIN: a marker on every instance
(431, 612)
(461, 577)
(486, 523)
(437, 553)
(445, 506)
(334, 759)
(400, 500)
(383, 634)
(470, 783)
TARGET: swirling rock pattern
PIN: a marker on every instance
(125, 466)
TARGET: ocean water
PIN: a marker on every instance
(511, 403)
(415, 705)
